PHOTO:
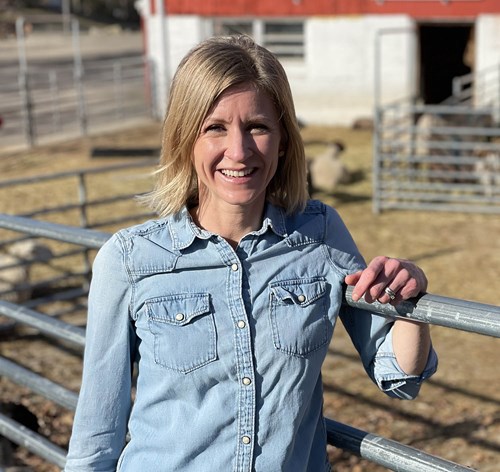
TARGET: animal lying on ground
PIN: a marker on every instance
(15, 267)
(326, 171)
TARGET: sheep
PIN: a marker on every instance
(326, 171)
(434, 140)
(15, 265)
(487, 173)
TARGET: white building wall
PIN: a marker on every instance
(487, 50)
(487, 62)
(337, 83)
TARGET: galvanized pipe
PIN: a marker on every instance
(83, 237)
(385, 452)
(38, 384)
(32, 441)
(441, 311)
(45, 324)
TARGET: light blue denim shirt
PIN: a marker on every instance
(229, 346)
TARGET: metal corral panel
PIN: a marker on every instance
(437, 157)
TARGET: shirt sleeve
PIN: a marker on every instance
(370, 333)
(104, 402)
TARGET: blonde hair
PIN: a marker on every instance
(207, 71)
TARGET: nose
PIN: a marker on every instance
(238, 145)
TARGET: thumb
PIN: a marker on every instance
(352, 279)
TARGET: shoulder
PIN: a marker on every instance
(131, 239)
(147, 229)
(317, 213)
(337, 241)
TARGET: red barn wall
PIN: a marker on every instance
(416, 9)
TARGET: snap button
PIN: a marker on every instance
(246, 440)
(179, 316)
(234, 267)
(241, 324)
(246, 381)
(301, 298)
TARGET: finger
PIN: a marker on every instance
(419, 278)
(388, 272)
(368, 277)
(394, 291)
(408, 283)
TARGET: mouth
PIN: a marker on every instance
(236, 173)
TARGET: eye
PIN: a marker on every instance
(258, 128)
(214, 128)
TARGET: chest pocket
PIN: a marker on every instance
(184, 331)
(298, 312)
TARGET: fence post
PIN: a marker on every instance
(24, 88)
(78, 77)
(54, 99)
(82, 200)
(497, 120)
(117, 88)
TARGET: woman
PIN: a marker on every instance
(228, 302)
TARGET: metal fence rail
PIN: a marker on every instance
(453, 313)
(82, 208)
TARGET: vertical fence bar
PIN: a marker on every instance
(118, 88)
(54, 101)
(78, 77)
(84, 223)
(24, 87)
(497, 118)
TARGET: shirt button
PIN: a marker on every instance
(246, 381)
(301, 298)
(179, 316)
(234, 267)
(241, 324)
(246, 440)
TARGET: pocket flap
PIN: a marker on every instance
(179, 309)
(299, 292)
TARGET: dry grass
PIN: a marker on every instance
(457, 415)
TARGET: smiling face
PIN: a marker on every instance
(236, 153)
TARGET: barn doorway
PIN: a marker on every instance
(444, 54)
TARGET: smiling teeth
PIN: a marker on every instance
(236, 173)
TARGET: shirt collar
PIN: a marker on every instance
(183, 230)
(274, 218)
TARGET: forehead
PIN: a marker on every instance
(247, 96)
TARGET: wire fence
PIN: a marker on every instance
(449, 312)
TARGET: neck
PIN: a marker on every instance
(232, 224)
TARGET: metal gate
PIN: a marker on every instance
(436, 157)
(73, 97)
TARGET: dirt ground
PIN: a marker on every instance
(457, 414)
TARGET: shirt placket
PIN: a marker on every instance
(244, 358)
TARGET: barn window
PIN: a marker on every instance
(283, 38)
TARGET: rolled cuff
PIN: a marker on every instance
(392, 380)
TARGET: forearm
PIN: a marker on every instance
(411, 342)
